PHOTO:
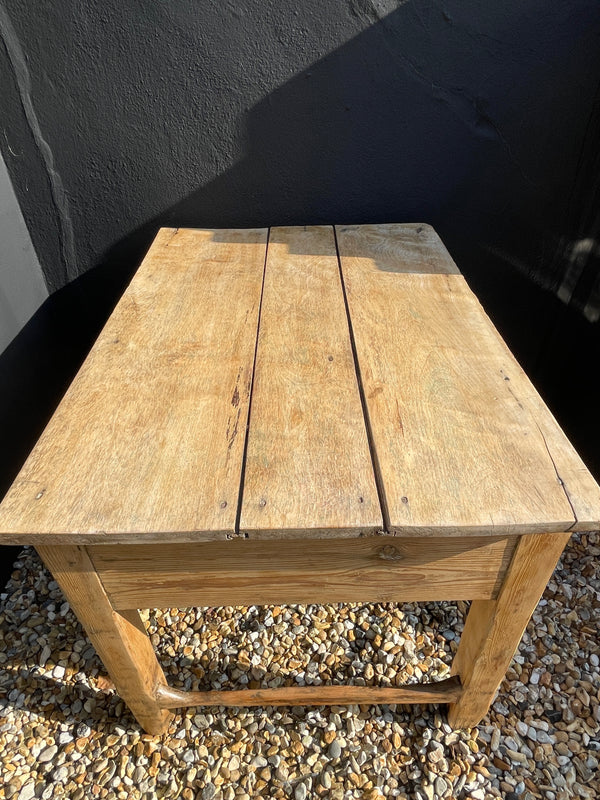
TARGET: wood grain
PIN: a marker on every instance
(446, 691)
(308, 465)
(458, 451)
(579, 485)
(246, 572)
(494, 628)
(120, 639)
(148, 441)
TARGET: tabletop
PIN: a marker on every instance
(298, 382)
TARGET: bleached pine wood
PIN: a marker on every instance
(119, 637)
(147, 444)
(446, 691)
(458, 452)
(308, 466)
(494, 628)
(247, 572)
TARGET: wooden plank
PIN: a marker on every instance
(578, 483)
(149, 439)
(245, 572)
(446, 691)
(308, 465)
(494, 628)
(120, 639)
(459, 452)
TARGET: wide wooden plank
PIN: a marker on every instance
(308, 465)
(578, 483)
(149, 439)
(246, 572)
(459, 448)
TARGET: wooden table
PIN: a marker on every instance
(300, 415)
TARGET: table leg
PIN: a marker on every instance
(119, 637)
(494, 628)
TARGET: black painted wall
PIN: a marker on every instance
(480, 118)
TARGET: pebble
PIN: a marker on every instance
(300, 792)
(325, 780)
(435, 755)
(516, 756)
(335, 749)
(47, 754)
(60, 775)
(522, 727)
(61, 736)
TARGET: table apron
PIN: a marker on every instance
(247, 572)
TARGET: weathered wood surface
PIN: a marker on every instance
(494, 628)
(446, 691)
(120, 638)
(308, 465)
(246, 572)
(149, 439)
(148, 443)
(458, 441)
(578, 483)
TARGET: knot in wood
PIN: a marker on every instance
(389, 553)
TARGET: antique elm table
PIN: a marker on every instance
(300, 415)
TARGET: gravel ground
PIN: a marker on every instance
(64, 732)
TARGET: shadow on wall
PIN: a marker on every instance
(424, 117)
(418, 118)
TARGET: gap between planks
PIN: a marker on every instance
(363, 400)
(250, 394)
